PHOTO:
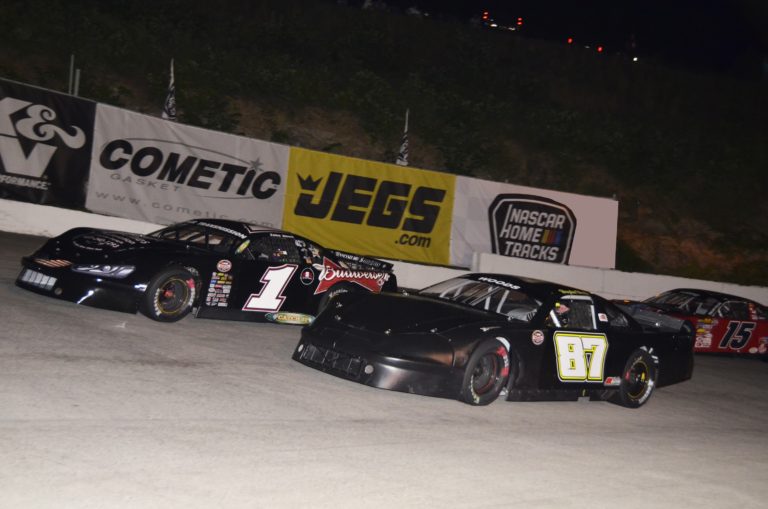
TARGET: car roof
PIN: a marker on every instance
(239, 228)
(707, 293)
(537, 288)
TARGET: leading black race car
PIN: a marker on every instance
(479, 335)
(224, 269)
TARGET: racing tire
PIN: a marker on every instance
(637, 380)
(486, 373)
(331, 294)
(170, 295)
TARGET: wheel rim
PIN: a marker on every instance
(486, 374)
(172, 296)
(638, 379)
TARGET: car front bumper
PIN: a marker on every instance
(343, 354)
(63, 283)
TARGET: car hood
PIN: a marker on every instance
(396, 313)
(91, 243)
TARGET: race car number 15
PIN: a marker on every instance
(580, 356)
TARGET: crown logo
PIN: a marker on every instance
(308, 183)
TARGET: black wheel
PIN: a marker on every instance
(170, 295)
(637, 380)
(486, 373)
(331, 294)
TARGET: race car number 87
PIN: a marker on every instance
(580, 357)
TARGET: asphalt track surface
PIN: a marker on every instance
(100, 409)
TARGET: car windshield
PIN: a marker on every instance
(196, 234)
(487, 296)
(685, 302)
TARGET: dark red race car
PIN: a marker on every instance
(724, 323)
(219, 268)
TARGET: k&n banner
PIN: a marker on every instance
(45, 145)
(162, 172)
(369, 208)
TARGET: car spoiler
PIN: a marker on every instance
(360, 262)
(653, 319)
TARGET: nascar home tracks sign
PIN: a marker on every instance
(531, 227)
(532, 224)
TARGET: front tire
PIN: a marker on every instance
(637, 380)
(170, 295)
(486, 373)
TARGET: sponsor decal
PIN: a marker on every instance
(602, 317)
(703, 341)
(307, 277)
(531, 227)
(290, 318)
(223, 229)
(333, 273)
(219, 290)
(612, 381)
(499, 282)
(101, 241)
(224, 266)
(537, 337)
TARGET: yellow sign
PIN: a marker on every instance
(369, 208)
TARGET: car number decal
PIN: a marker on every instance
(271, 298)
(737, 335)
(580, 356)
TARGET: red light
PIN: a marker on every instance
(485, 15)
(599, 49)
(519, 22)
(570, 40)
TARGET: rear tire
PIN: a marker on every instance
(637, 380)
(170, 295)
(486, 373)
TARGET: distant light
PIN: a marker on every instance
(570, 40)
(599, 49)
(486, 15)
(634, 59)
(519, 22)
(493, 25)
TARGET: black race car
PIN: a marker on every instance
(481, 335)
(223, 269)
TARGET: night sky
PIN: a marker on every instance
(728, 36)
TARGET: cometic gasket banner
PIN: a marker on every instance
(370, 208)
(45, 145)
(158, 171)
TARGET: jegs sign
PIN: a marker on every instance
(368, 207)
(531, 227)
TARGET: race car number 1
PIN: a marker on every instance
(580, 357)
